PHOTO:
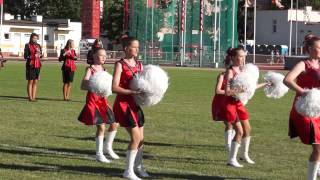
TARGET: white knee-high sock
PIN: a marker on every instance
(312, 170)
(228, 136)
(110, 138)
(99, 145)
(130, 159)
(234, 151)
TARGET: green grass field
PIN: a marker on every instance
(44, 140)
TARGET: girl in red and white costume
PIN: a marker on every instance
(98, 112)
(236, 113)
(306, 75)
(127, 112)
(218, 102)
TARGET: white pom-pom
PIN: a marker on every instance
(277, 89)
(100, 83)
(247, 80)
(309, 104)
(253, 70)
(153, 82)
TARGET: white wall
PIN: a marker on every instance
(19, 36)
(265, 33)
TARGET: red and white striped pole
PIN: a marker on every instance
(183, 17)
(201, 31)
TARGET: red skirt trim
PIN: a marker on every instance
(95, 103)
(218, 111)
(235, 110)
(127, 112)
(307, 129)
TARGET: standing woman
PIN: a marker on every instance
(305, 75)
(127, 112)
(68, 56)
(32, 55)
(218, 102)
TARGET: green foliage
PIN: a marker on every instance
(54, 9)
(112, 22)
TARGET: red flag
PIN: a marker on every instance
(150, 3)
(277, 3)
(126, 15)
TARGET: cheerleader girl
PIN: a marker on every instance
(32, 55)
(218, 107)
(98, 112)
(236, 113)
(305, 75)
(127, 112)
(68, 56)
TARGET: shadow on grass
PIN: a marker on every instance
(147, 143)
(184, 160)
(45, 152)
(41, 99)
(105, 171)
(191, 176)
(57, 152)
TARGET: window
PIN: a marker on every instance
(46, 37)
(274, 26)
(6, 36)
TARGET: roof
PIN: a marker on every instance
(46, 22)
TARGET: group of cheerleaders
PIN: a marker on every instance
(305, 75)
(97, 111)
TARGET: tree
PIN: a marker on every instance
(58, 9)
(112, 21)
(15, 8)
(54, 9)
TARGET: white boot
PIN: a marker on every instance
(312, 170)
(108, 145)
(228, 136)
(244, 150)
(138, 164)
(233, 155)
(99, 150)
(129, 172)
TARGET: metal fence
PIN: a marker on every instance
(192, 59)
